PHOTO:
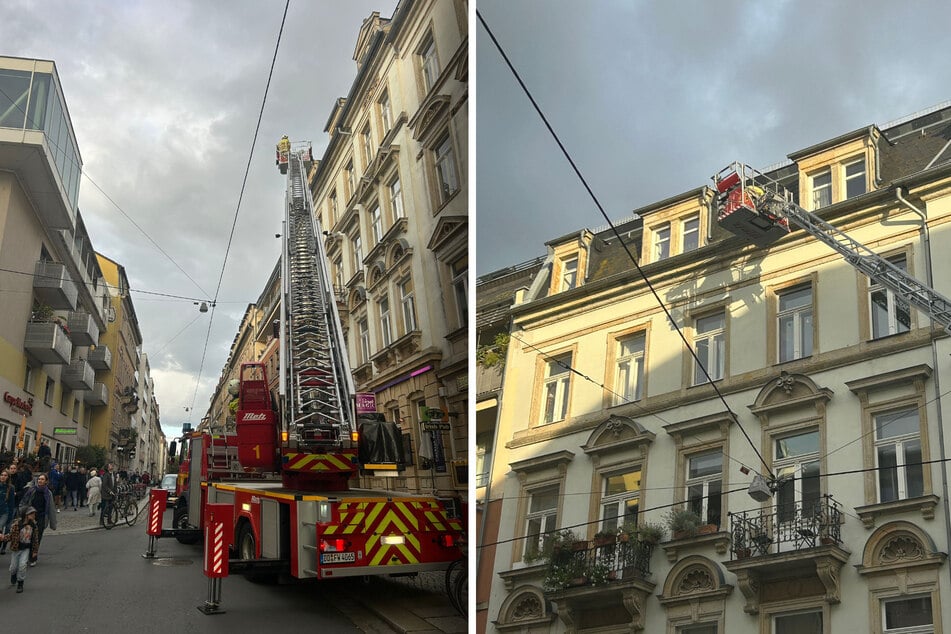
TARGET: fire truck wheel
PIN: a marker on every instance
(247, 546)
(180, 520)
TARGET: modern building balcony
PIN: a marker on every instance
(97, 396)
(83, 330)
(79, 375)
(52, 286)
(100, 358)
(48, 343)
(600, 584)
(801, 541)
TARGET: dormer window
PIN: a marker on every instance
(661, 243)
(855, 178)
(569, 274)
(822, 189)
(690, 233)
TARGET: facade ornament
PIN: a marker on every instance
(528, 607)
(786, 382)
(901, 548)
(695, 580)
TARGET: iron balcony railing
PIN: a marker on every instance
(786, 528)
(600, 564)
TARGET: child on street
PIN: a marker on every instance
(23, 545)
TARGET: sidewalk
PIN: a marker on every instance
(415, 604)
(70, 521)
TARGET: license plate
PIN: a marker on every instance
(338, 558)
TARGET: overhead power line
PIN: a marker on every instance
(627, 250)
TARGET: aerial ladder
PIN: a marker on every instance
(757, 207)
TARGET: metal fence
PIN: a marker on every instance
(785, 528)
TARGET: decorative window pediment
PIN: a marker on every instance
(790, 391)
(695, 578)
(449, 230)
(899, 545)
(619, 434)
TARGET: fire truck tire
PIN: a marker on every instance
(180, 520)
(246, 547)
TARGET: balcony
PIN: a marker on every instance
(97, 396)
(776, 545)
(600, 585)
(79, 375)
(83, 330)
(52, 286)
(100, 358)
(47, 343)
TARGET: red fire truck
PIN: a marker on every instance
(287, 468)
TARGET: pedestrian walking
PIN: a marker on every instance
(74, 482)
(107, 491)
(45, 455)
(83, 478)
(40, 498)
(8, 506)
(56, 482)
(93, 488)
(24, 545)
(23, 477)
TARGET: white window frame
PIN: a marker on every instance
(569, 273)
(357, 243)
(351, 190)
(704, 482)
(459, 270)
(690, 232)
(860, 176)
(49, 391)
(408, 304)
(661, 242)
(367, 145)
(713, 340)
(396, 199)
(363, 325)
(386, 112)
(428, 63)
(821, 194)
(800, 317)
(899, 443)
(915, 629)
(386, 333)
(893, 304)
(555, 389)
(629, 384)
(545, 518)
(444, 165)
(793, 466)
(376, 223)
(614, 506)
(338, 274)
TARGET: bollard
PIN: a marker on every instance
(158, 498)
(219, 529)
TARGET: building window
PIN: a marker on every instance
(408, 305)
(357, 252)
(338, 274)
(661, 243)
(704, 484)
(855, 178)
(569, 274)
(700, 628)
(555, 389)
(690, 233)
(459, 270)
(396, 199)
(333, 208)
(428, 65)
(445, 164)
(63, 403)
(620, 499)
(367, 145)
(809, 622)
(540, 522)
(908, 615)
(76, 410)
(796, 462)
(386, 112)
(890, 315)
(630, 369)
(348, 174)
(710, 346)
(364, 340)
(822, 189)
(48, 392)
(29, 378)
(376, 224)
(385, 331)
(795, 323)
(483, 458)
(898, 455)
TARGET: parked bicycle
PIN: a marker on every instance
(124, 507)
(457, 582)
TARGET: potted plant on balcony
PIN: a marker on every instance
(650, 533)
(42, 313)
(605, 537)
(682, 523)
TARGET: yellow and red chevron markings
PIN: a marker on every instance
(325, 462)
(373, 520)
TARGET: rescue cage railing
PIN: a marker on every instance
(595, 563)
(786, 527)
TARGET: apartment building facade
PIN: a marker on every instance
(610, 431)
(55, 300)
(390, 192)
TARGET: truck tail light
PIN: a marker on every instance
(446, 540)
(333, 545)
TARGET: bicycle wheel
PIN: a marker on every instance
(130, 512)
(111, 518)
(460, 593)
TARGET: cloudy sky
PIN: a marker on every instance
(164, 97)
(652, 98)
